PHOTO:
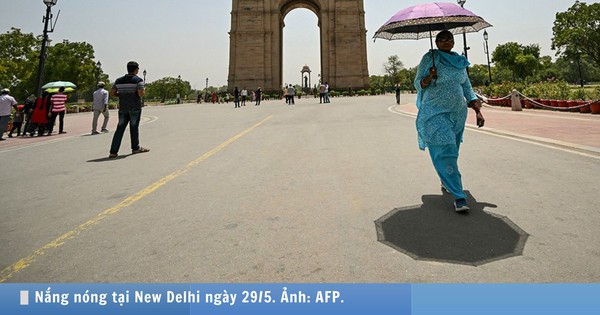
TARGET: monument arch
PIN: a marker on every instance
(256, 42)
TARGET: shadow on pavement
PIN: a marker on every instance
(434, 231)
(107, 159)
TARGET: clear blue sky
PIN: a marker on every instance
(190, 37)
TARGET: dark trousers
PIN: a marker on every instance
(16, 126)
(132, 118)
(61, 122)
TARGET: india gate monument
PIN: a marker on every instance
(256, 37)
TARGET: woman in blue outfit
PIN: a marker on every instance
(444, 93)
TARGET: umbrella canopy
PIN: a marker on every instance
(426, 20)
(57, 84)
(55, 90)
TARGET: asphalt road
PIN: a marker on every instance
(277, 193)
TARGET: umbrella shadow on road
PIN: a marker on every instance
(434, 231)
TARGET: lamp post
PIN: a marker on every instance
(178, 89)
(40, 75)
(487, 52)
(462, 4)
(206, 91)
(579, 67)
(144, 73)
(98, 68)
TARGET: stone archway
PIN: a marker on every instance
(256, 36)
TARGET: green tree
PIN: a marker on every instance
(167, 87)
(522, 61)
(407, 77)
(73, 62)
(393, 67)
(19, 56)
(578, 31)
(478, 74)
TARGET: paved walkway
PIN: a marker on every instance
(575, 131)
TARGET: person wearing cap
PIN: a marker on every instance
(6, 102)
(130, 91)
(100, 106)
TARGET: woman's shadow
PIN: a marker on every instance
(434, 231)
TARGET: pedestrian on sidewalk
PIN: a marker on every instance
(58, 109)
(100, 106)
(443, 94)
(17, 122)
(130, 90)
(28, 113)
(6, 102)
(39, 117)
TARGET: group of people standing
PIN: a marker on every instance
(39, 115)
(324, 93)
(241, 96)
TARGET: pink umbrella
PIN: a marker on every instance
(428, 19)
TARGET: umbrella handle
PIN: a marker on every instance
(432, 51)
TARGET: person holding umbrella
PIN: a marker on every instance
(443, 94)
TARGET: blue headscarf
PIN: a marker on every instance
(451, 59)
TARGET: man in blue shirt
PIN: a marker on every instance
(130, 91)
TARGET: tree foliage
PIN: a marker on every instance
(168, 87)
(577, 31)
(19, 56)
(66, 61)
(522, 61)
(393, 67)
(73, 62)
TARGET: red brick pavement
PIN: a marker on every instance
(577, 131)
(76, 125)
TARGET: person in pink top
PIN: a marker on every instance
(57, 108)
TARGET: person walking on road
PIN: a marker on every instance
(130, 90)
(100, 106)
(58, 108)
(244, 96)
(236, 97)
(258, 94)
(6, 102)
(291, 93)
(398, 94)
(443, 94)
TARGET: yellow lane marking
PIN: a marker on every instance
(20, 265)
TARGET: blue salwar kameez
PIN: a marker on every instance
(442, 114)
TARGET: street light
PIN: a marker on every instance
(40, 77)
(98, 68)
(144, 73)
(465, 48)
(178, 89)
(487, 52)
(206, 91)
(579, 67)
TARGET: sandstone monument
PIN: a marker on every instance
(255, 53)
